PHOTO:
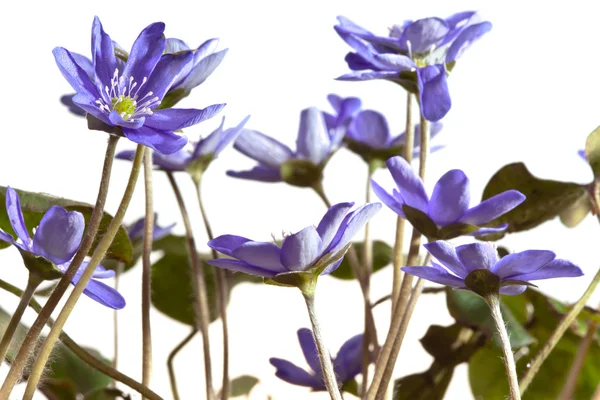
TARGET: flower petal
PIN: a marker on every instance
(487, 231)
(348, 361)
(102, 293)
(15, 215)
(392, 202)
(5, 237)
(103, 56)
(116, 119)
(230, 135)
(493, 207)
(409, 183)
(87, 102)
(173, 119)
(204, 66)
(290, 373)
(309, 349)
(424, 34)
(435, 274)
(59, 234)
(445, 253)
(85, 63)
(164, 142)
(522, 263)
(332, 267)
(433, 92)
(258, 173)
(169, 69)
(173, 45)
(554, 269)
(301, 249)
(352, 223)
(513, 290)
(395, 62)
(145, 53)
(330, 223)
(313, 141)
(177, 161)
(73, 73)
(450, 198)
(367, 75)
(466, 38)
(262, 148)
(262, 254)
(226, 244)
(371, 128)
(477, 256)
(241, 266)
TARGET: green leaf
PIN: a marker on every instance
(420, 221)
(545, 200)
(35, 205)
(471, 310)
(382, 257)
(351, 387)
(242, 385)
(429, 385)
(592, 151)
(576, 212)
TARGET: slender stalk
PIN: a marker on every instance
(493, 302)
(568, 390)
(171, 358)
(596, 395)
(82, 354)
(115, 361)
(199, 287)
(101, 249)
(564, 324)
(32, 283)
(324, 357)
(146, 266)
(222, 295)
(30, 340)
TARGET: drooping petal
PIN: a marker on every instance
(262, 148)
(466, 38)
(330, 223)
(433, 92)
(116, 119)
(226, 244)
(424, 34)
(230, 135)
(450, 198)
(392, 202)
(513, 290)
(204, 66)
(262, 254)
(103, 56)
(15, 215)
(301, 249)
(73, 73)
(493, 207)
(522, 263)
(348, 361)
(309, 349)
(164, 142)
(435, 274)
(409, 183)
(102, 293)
(371, 128)
(173, 119)
(241, 266)
(352, 223)
(59, 234)
(555, 269)
(290, 373)
(168, 70)
(445, 253)
(313, 141)
(258, 173)
(145, 53)
(477, 256)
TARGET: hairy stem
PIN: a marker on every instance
(324, 357)
(171, 358)
(199, 287)
(31, 338)
(568, 390)
(101, 249)
(146, 269)
(222, 295)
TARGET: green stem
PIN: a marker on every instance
(30, 341)
(82, 353)
(171, 367)
(324, 357)
(493, 302)
(32, 283)
(199, 287)
(146, 269)
(99, 252)
(118, 272)
(559, 331)
(222, 293)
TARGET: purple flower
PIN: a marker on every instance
(347, 363)
(513, 271)
(135, 231)
(57, 239)
(277, 162)
(345, 110)
(204, 151)
(424, 46)
(318, 249)
(448, 207)
(126, 96)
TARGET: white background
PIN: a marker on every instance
(525, 92)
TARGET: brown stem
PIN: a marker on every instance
(568, 390)
(171, 358)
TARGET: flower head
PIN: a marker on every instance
(446, 214)
(125, 96)
(57, 239)
(277, 162)
(464, 266)
(347, 363)
(135, 231)
(345, 109)
(424, 46)
(319, 249)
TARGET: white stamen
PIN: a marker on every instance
(122, 89)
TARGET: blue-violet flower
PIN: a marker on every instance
(345, 109)
(135, 231)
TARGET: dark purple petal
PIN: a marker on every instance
(204, 66)
(424, 34)
(177, 161)
(173, 45)
(367, 75)
(371, 128)
(116, 119)
(173, 119)
(331, 221)
(168, 70)
(313, 141)
(241, 266)
(493, 207)
(436, 274)
(145, 53)
(450, 198)
(290, 373)
(258, 173)
(262, 254)
(466, 38)
(433, 92)
(15, 215)
(348, 361)
(263, 148)
(73, 73)
(513, 290)
(230, 135)
(301, 249)
(309, 349)
(226, 244)
(554, 269)
(103, 56)
(164, 142)
(522, 263)
(102, 293)
(351, 224)
(392, 202)
(59, 234)
(357, 63)
(445, 253)
(409, 183)
(477, 256)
